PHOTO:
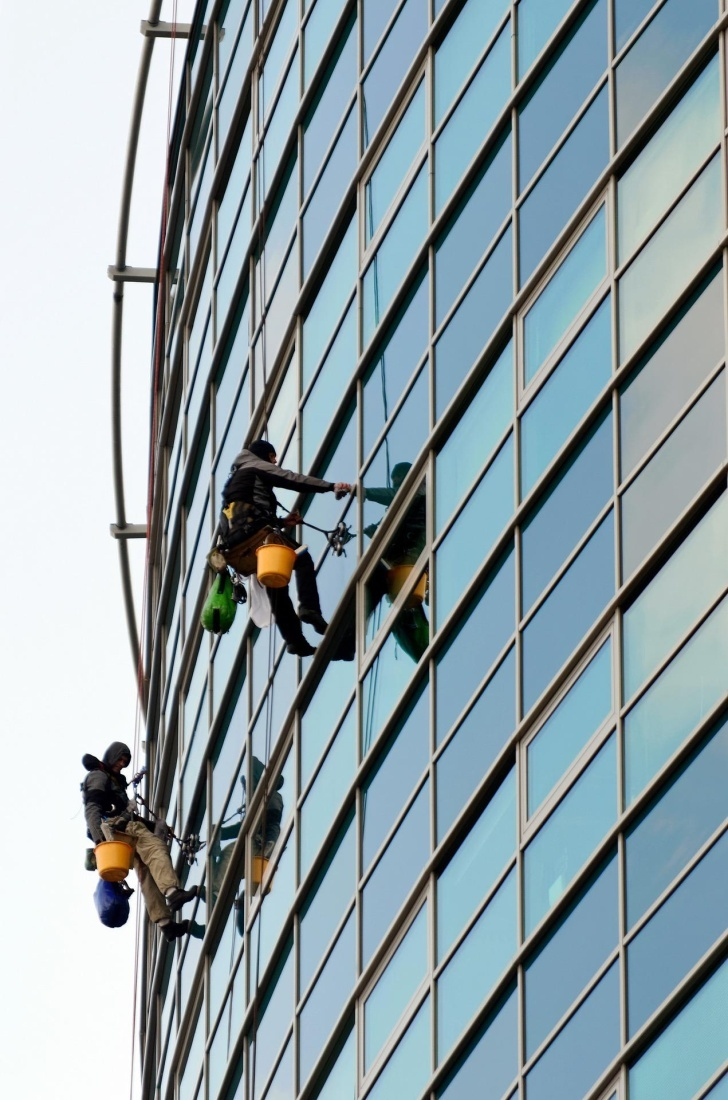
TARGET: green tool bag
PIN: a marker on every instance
(218, 614)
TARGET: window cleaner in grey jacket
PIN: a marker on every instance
(249, 504)
(106, 801)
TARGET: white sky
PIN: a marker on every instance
(67, 77)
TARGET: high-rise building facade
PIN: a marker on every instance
(472, 257)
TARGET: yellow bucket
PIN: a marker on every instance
(397, 577)
(275, 564)
(259, 866)
(114, 859)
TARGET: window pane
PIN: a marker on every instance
(327, 999)
(584, 1048)
(327, 899)
(329, 303)
(476, 745)
(570, 391)
(673, 706)
(476, 865)
(327, 792)
(581, 942)
(666, 165)
(473, 324)
(479, 428)
(689, 1050)
(692, 578)
(328, 107)
(479, 640)
(395, 874)
(319, 718)
(394, 59)
(408, 1070)
(568, 611)
(481, 213)
(340, 1084)
(279, 128)
(579, 715)
(674, 475)
(667, 262)
(476, 966)
(678, 935)
(279, 49)
(474, 533)
(394, 255)
(466, 39)
(564, 185)
(325, 397)
(317, 33)
(628, 14)
(537, 21)
(570, 835)
(559, 94)
(468, 127)
(676, 825)
(683, 356)
(571, 506)
(404, 973)
(490, 1062)
(391, 169)
(565, 295)
(329, 192)
(657, 56)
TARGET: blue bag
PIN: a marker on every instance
(112, 903)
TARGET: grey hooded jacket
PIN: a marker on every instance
(104, 793)
(253, 479)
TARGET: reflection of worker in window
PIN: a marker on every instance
(265, 836)
(411, 628)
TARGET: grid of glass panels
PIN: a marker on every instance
(408, 253)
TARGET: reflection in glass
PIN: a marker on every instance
(559, 94)
(325, 397)
(537, 21)
(565, 295)
(327, 898)
(327, 999)
(480, 859)
(394, 59)
(329, 192)
(564, 185)
(673, 254)
(317, 33)
(585, 707)
(584, 1049)
(679, 821)
(466, 39)
(328, 306)
(319, 717)
(340, 1083)
(570, 391)
(663, 954)
(327, 792)
(276, 1012)
(490, 1061)
(687, 690)
(628, 14)
(476, 966)
(391, 169)
(404, 974)
(408, 1070)
(690, 1049)
(657, 56)
(669, 160)
(577, 947)
(328, 106)
(568, 611)
(690, 580)
(570, 835)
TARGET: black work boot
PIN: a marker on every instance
(172, 931)
(313, 618)
(179, 897)
(301, 648)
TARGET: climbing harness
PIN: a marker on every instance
(190, 845)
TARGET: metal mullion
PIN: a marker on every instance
(631, 934)
(572, 1010)
(712, 1082)
(676, 421)
(441, 966)
(564, 567)
(471, 75)
(480, 264)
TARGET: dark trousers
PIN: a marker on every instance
(280, 600)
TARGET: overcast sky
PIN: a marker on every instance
(67, 77)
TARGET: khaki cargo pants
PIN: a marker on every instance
(153, 865)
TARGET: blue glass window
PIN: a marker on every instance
(394, 59)
(690, 1049)
(327, 999)
(570, 835)
(472, 326)
(340, 1081)
(490, 1062)
(476, 966)
(329, 192)
(575, 950)
(565, 295)
(276, 136)
(477, 218)
(571, 506)
(391, 169)
(470, 124)
(327, 792)
(466, 39)
(537, 21)
(327, 899)
(329, 106)
(677, 824)
(319, 718)
(657, 56)
(570, 391)
(317, 33)
(559, 94)
(564, 185)
(673, 254)
(478, 862)
(583, 1050)
(404, 973)
(582, 711)
(408, 1070)
(663, 954)
(628, 14)
(329, 304)
(568, 611)
(325, 397)
(280, 47)
(476, 745)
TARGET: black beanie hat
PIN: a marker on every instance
(262, 448)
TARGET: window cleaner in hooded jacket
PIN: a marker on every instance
(106, 801)
(249, 504)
